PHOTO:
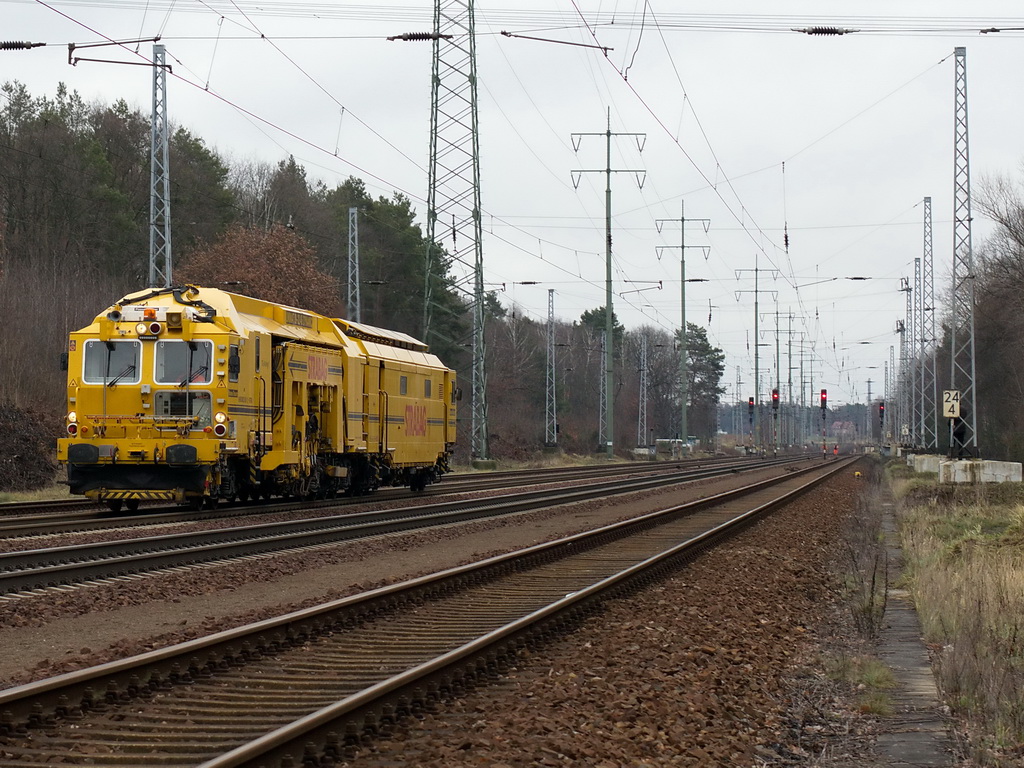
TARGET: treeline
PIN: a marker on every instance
(999, 321)
(998, 326)
(74, 237)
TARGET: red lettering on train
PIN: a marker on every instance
(317, 368)
(416, 420)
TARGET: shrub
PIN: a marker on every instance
(27, 460)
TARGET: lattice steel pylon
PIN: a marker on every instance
(354, 309)
(907, 383)
(641, 417)
(551, 398)
(453, 194)
(900, 378)
(916, 353)
(929, 428)
(159, 179)
(962, 366)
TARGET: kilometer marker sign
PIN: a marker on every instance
(951, 403)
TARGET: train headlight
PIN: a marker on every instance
(155, 328)
(72, 429)
(142, 329)
(72, 416)
(220, 430)
(220, 417)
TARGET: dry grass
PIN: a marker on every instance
(44, 494)
(966, 565)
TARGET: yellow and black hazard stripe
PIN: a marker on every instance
(115, 495)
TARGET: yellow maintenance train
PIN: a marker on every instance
(195, 394)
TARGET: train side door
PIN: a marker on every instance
(372, 428)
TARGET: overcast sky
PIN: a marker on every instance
(754, 126)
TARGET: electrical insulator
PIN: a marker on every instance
(18, 45)
(824, 399)
(826, 30)
(419, 36)
(775, 399)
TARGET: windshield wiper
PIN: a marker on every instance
(129, 369)
(197, 374)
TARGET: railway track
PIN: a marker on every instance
(76, 515)
(23, 573)
(310, 687)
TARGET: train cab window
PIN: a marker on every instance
(183, 362)
(234, 363)
(426, 389)
(112, 362)
(403, 385)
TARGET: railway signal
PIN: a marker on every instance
(824, 399)
(775, 399)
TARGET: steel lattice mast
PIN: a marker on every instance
(962, 376)
(159, 180)
(916, 354)
(900, 378)
(929, 429)
(641, 419)
(891, 394)
(453, 194)
(906, 389)
(354, 309)
(551, 398)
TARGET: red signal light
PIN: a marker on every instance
(824, 399)
(775, 399)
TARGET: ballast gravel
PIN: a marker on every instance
(716, 666)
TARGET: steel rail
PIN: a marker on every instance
(35, 569)
(378, 700)
(86, 516)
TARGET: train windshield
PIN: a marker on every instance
(112, 362)
(184, 363)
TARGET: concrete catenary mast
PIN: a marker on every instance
(608, 385)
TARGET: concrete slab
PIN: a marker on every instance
(916, 734)
(926, 463)
(974, 471)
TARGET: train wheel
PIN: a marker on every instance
(114, 505)
(132, 505)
